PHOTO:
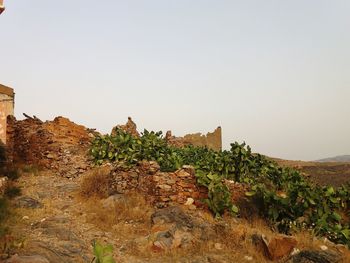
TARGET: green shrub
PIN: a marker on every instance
(219, 196)
(287, 199)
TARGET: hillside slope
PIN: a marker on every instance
(339, 158)
(322, 173)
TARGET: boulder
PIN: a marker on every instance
(173, 215)
(314, 256)
(28, 202)
(173, 228)
(111, 201)
(276, 247)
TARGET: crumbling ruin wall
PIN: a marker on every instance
(59, 145)
(6, 109)
(212, 140)
(130, 127)
(160, 188)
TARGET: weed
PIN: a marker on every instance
(12, 191)
(103, 254)
(96, 183)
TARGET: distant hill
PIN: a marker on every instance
(339, 159)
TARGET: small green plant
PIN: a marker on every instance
(219, 196)
(30, 169)
(12, 174)
(103, 254)
(12, 191)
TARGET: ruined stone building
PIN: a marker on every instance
(212, 140)
(2, 8)
(7, 103)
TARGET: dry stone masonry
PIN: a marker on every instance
(6, 109)
(59, 145)
(63, 147)
(164, 189)
(212, 140)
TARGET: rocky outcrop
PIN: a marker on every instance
(172, 228)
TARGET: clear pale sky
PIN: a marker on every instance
(275, 74)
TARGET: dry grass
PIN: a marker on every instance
(129, 215)
(129, 220)
(233, 238)
(96, 183)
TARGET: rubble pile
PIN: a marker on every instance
(59, 145)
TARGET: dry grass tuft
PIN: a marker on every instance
(130, 215)
(96, 183)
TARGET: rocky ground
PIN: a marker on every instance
(53, 223)
(145, 214)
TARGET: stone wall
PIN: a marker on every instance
(212, 140)
(163, 189)
(59, 145)
(6, 109)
